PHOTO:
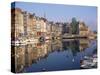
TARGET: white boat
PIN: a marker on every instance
(89, 62)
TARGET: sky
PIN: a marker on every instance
(62, 13)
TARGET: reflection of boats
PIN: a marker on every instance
(17, 43)
(89, 62)
(31, 41)
(14, 42)
(43, 69)
(24, 42)
(42, 39)
(47, 38)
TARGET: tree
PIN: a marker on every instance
(75, 26)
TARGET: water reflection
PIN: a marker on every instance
(28, 57)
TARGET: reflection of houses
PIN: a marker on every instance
(43, 50)
(28, 54)
(40, 51)
(75, 45)
(72, 45)
(56, 45)
(84, 43)
(19, 58)
(32, 53)
(92, 35)
(35, 53)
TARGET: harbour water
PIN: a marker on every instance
(53, 55)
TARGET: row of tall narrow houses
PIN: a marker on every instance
(29, 26)
(26, 24)
(17, 23)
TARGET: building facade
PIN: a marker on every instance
(17, 30)
(83, 29)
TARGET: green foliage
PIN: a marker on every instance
(75, 26)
